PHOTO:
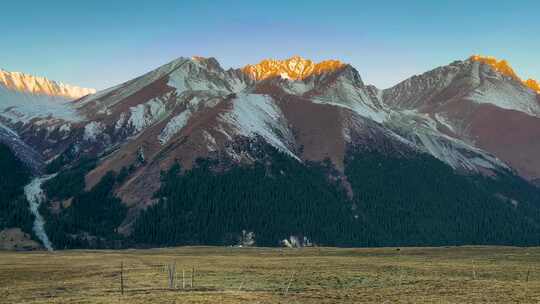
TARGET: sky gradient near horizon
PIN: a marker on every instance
(102, 43)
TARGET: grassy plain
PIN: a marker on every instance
(264, 275)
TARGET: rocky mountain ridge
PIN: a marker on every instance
(470, 115)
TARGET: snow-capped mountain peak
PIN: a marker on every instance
(502, 66)
(24, 97)
(191, 107)
(36, 85)
(480, 101)
(481, 80)
(295, 68)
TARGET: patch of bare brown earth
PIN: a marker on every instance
(512, 136)
(16, 239)
(317, 128)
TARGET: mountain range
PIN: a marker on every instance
(171, 157)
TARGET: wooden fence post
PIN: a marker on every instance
(242, 282)
(192, 275)
(122, 277)
(183, 279)
(289, 285)
(172, 274)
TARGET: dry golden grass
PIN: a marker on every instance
(261, 275)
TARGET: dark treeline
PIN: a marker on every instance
(413, 200)
(14, 209)
(88, 219)
(422, 201)
(398, 200)
(70, 181)
(274, 200)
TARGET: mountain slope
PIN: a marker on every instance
(193, 108)
(36, 115)
(275, 123)
(472, 101)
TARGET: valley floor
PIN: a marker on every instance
(263, 275)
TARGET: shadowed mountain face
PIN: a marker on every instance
(470, 115)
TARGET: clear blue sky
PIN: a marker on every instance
(101, 43)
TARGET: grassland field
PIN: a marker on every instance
(272, 275)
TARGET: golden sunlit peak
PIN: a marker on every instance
(295, 68)
(503, 67)
(533, 84)
(500, 66)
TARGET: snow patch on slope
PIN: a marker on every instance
(23, 107)
(255, 114)
(197, 76)
(421, 129)
(121, 121)
(507, 96)
(211, 141)
(444, 121)
(93, 130)
(22, 150)
(451, 151)
(347, 95)
(298, 87)
(8, 131)
(182, 81)
(175, 125)
(193, 105)
(146, 114)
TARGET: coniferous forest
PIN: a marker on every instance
(397, 201)
(422, 201)
(91, 216)
(393, 200)
(274, 201)
(14, 209)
